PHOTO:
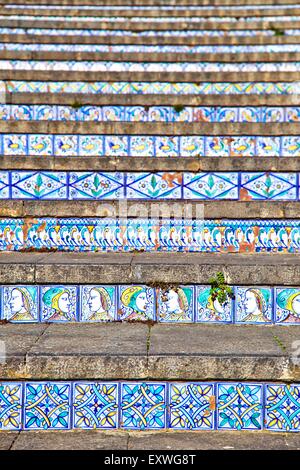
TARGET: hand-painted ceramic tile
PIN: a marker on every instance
(66, 113)
(275, 114)
(242, 146)
(210, 186)
(5, 111)
(183, 115)
(153, 185)
(167, 146)
(253, 305)
(95, 405)
(209, 309)
(227, 114)
(141, 146)
(45, 113)
(292, 114)
(159, 114)
(278, 186)
(47, 405)
(116, 146)
(204, 114)
(217, 146)
(249, 115)
(239, 406)
(282, 407)
(176, 304)
(91, 113)
(96, 185)
(21, 112)
(143, 405)
(11, 395)
(59, 303)
(40, 144)
(192, 146)
(192, 406)
(39, 185)
(15, 144)
(98, 303)
(268, 146)
(136, 302)
(290, 146)
(287, 305)
(65, 145)
(4, 185)
(135, 114)
(20, 303)
(90, 145)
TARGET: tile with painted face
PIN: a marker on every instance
(253, 305)
(209, 309)
(136, 302)
(176, 304)
(20, 303)
(58, 303)
(45, 113)
(98, 303)
(287, 305)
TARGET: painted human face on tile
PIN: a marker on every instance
(209, 309)
(176, 304)
(20, 303)
(97, 303)
(253, 305)
(287, 305)
(59, 303)
(136, 303)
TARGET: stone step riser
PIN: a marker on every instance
(148, 405)
(152, 2)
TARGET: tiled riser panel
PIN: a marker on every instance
(149, 146)
(244, 186)
(143, 88)
(180, 304)
(152, 235)
(157, 7)
(150, 114)
(151, 405)
(103, 66)
(147, 33)
(126, 48)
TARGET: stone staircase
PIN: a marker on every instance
(145, 149)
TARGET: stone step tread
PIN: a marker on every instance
(180, 268)
(152, 128)
(153, 2)
(193, 77)
(138, 351)
(147, 440)
(147, 100)
(165, 164)
(150, 40)
(151, 57)
(157, 26)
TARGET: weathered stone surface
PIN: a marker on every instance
(166, 268)
(7, 439)
(129, 351)
(154, 2)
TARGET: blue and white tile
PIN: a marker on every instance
(95, 405)
(14, 144)
(90, 145)
(39, 185)
(45, 112)
(136, 302)
(153, 185)
(268, 146)
(66, 113)
(47, 405)
(5, 111)
(97, 303)
(20, 303)
(159, 114)
(176, 304)
(211, 186)
(96, 185)
(209, 309)
(242, 146)
(58, 303)
(290, 146)
(249, 114)
(227, 114)
(143, 405)
(282, 407)
(217, 146)
(65, 145)
(275, 114)
(239, 406)
(192, 146)
(204, 114)
(11, 398)
(113, 113)
(21, 112)
(275, 186)
(4, 185)
(141, 146)
(192, 406)
(116, 146)
(40, 144)
(166, 146)
(91, 113)
(287, 305)
(136, 114)
(253, 305)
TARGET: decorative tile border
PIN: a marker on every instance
(142, 48)
(45, 112)
(111, 66)
(176, 304)
(149, 145)
(151, 235)
(244, 186)
(156, 88)
(149, 405)
(147, 33)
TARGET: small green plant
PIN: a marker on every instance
(276, 31)
(219, 290)
(76, 105)
(178, 108)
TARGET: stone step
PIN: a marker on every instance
(147, 440)
(148, 268)
(153, 2)
(28, 37)
(187, 25)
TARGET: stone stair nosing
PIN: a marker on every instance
(216, 3)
